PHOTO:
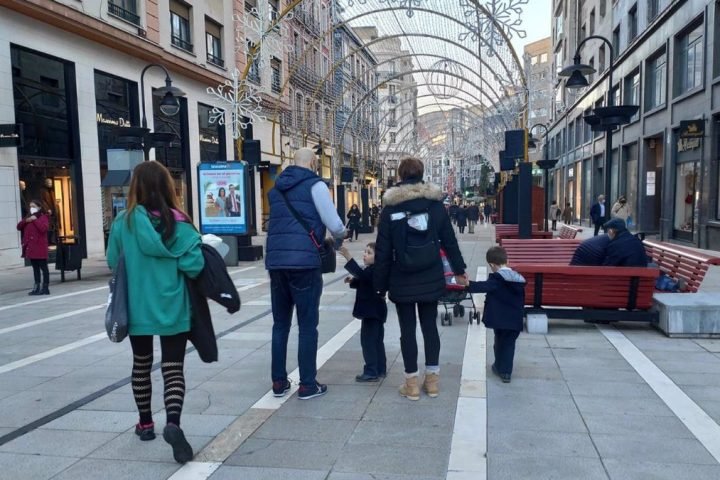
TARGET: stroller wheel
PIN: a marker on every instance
(448, 319)
(461, 311)
(456, 310)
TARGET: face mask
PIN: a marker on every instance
(34, 210)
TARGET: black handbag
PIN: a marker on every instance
(326, 248)
(116, 315)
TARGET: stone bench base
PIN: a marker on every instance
(688, 315)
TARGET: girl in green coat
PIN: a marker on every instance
(160, 247)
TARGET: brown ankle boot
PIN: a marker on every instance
(431, 385)
(410, 389)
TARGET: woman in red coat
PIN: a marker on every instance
(35, 245)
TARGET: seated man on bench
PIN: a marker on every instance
(591, 252)
(624, 249)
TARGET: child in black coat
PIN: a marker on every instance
(372, 310)
(503, 312)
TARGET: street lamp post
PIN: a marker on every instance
(169, 105)
(545, 164)
(609, 117)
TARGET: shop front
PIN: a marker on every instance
(630, 183)
(687, 168)
(49, 161)
(175, 152)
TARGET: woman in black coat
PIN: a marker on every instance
(408, 266)
(461, 218)
(353, 223)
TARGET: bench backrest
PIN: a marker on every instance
(504, 230)
(567, 232)
(589, 287)
(680, 263)
(535, 235)
(540, 251)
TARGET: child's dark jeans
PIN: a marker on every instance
(504, 348)
(372, 334)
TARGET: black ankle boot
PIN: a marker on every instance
(45, 290)
(35, 290)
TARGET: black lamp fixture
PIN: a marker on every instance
(575, 74)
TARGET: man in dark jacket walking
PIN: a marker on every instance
(293, 260)
(599, 214)
(473, 214)
(414, 225)
(624, 249)
(487, 212)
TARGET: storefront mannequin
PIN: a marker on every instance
(49, 202)
(23, 200)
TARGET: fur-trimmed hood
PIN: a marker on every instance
(412, 191)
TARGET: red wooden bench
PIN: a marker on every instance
(680, 263)
(598, 293)
(509, 230)
(568, 233)
(540, 251)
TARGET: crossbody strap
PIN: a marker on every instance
(300, 220)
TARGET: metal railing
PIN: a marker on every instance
(215, 60)
(127, 15)
(181, 43)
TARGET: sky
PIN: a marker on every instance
(536, 22)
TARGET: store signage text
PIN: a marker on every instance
(119, 122)
(209, 139)
(692, 128)
(11, 135)
(687, 144)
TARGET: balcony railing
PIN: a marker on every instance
(127, 15)
(182, 43)
(215, 60)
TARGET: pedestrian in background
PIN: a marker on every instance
(33, 231)
(473, 214)
(293, 261)
(414, 225)
(554, 214)
(567, 214)
(504, 309)
(487, 212)
(371, 309)
(461, 218)
(160, 247)
(599, 214)
(353, 222)
(620, 209)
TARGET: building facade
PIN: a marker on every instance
(538, 60)
(665, 161)
(72, 74)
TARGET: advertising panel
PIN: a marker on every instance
(222, 198)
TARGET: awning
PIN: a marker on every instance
(116, 178)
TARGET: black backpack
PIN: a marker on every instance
(415, 250)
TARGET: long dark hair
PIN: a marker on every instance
(222, 189)
(152, 187)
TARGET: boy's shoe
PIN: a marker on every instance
(431, 384)
(410, 389)
(365, 378)
(382, 375)
(306, 393)
(281, 388)
(505, 377)
(495, 370)
(145, 432)
(182, 451)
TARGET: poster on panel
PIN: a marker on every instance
(222, 198)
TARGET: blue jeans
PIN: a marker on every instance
(290, 289)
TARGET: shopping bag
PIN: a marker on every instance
(116, 315)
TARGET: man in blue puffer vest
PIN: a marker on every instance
(293, 261)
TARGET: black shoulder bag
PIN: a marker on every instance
(326, 249)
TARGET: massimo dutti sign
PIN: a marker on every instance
(11, 135)
(692, 128)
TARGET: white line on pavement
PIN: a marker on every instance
(695, 419)
(50, 319)
(8, 367)
(468, 451)
(251, 286)
(195, 471)
(53, 297)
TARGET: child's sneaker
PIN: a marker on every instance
(364, 378)
(281, 388)
(145, 432)
(306, 393)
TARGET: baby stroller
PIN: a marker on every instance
(454, 297)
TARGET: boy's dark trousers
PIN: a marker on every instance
(372, 334)
(504, 349)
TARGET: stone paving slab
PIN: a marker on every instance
(31, 466)
(543, 467)
(114, 470)
(253, 473)
(626, 469)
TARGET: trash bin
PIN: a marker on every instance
(69, 256)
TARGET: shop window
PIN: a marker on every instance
(689, 60)
(125, 9)
(253, 58)
(298, 110)
(180, 26)
(685, 197)
(213, 35)
(656, 85)
(630, 174)
(212, 136)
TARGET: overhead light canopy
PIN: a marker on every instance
(575, 74)
(169, 105)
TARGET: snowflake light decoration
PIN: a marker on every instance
(409, 5)
(503, 15)
(241, 98)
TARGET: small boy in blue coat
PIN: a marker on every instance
(371, 309)
(503, 312)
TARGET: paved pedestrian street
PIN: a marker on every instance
(615, 401)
